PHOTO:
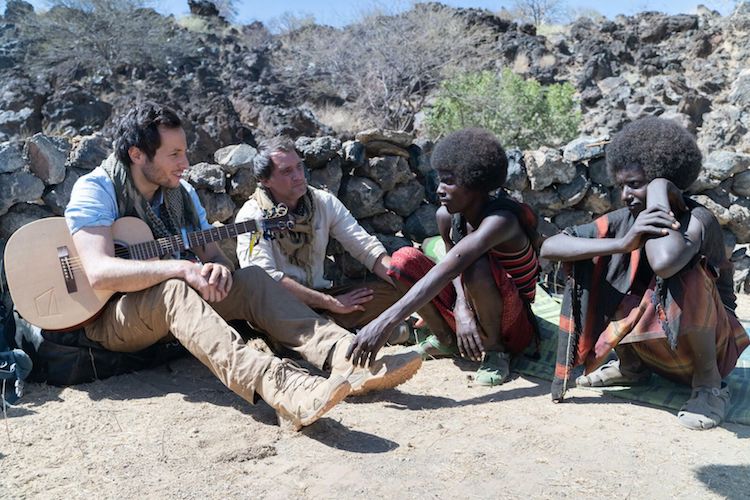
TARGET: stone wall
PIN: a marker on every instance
(385, 179)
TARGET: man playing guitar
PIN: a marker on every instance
(193, 301)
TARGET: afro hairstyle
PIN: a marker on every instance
(474, 156)
(662, 148)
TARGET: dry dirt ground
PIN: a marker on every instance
(178, 433)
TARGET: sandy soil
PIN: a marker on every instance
(176, 432)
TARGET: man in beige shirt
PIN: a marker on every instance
(296, 259)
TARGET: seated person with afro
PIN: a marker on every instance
(651, 280)
(476, 299)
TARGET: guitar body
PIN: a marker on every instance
(45, 278)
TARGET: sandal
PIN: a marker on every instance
(431, 347)
(610, 374)
(494, 369)
(705, 409)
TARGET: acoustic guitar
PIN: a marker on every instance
(47, 282)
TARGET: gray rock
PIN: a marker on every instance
(635, 110)
(422, 165)
(405, 198)
(421, 224)
(328, 177)
(546, 167)
(742, 274)
(722, 194)
(382, 148)
(741, 183)
(242, 185)
(11, 157)
(616, 90)
(517, 179)
(704, 182)
(351, 267)
(572, 218)
(574, 191)
(722, 214)
(681, 118)
(739, 94)
(19, 187)
(723, 164)
(207, 176)
(397, 137)
(730, 240)
(546, 202)
(393, 243)
(334, 247)
(739, 221)
(292, 122)
(362, 196)
(546, 228)
(88, 151)
(19, 215)
(332, 271)
(387, 223)
(46, 158)
(22, 121)
(219, 206)
(597, 200)
(317, 152)
(354, 153)
(585, 148)
(236, 157)
(58, 197)
(72, 111)
(599, 173)
(431, 181)
(387, 171)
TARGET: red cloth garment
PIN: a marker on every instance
(409, 265)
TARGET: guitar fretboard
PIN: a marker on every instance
(172, 244)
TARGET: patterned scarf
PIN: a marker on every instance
(296, 244)
(176, 209)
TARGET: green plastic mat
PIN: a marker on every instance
(659, 392)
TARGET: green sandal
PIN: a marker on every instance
(494, 369)
(428, 346)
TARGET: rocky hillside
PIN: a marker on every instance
(56, 120)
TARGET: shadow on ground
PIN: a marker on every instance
(727, 481)
(333, 434)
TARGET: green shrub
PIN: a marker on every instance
(522, 113)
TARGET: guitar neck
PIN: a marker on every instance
(176, 243)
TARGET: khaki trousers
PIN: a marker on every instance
(384, 296)
(136, 320)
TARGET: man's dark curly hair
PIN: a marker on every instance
(140, 128)
(475, 157)
(662, 148)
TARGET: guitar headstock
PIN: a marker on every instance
(276, 219)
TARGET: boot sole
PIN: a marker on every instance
(291, 422)
(391, 379)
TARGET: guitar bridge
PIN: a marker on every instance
(67, 270)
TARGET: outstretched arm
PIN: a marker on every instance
(492, 231)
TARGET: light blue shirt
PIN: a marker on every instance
(93, 202)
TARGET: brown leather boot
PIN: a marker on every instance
(298, 397)
(386, 372)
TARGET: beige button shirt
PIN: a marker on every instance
(332, 219)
